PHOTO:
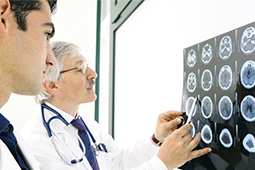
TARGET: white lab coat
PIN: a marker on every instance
(8, 162)
(138, 157)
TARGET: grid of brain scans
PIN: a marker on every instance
(220, 72)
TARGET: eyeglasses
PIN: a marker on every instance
(82, 67)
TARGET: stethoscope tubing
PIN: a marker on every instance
(47, 127)
(100, 147)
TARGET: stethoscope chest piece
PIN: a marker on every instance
(100, 147)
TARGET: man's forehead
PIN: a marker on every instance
(44, 5)
(75, 61)
(41, 17)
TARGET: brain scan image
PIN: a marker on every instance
(248, 40)
(219, 74)
(225, 77)
(225, 48)
(206, 80)
(248, 108)
(249, 143)
(206, 53)
(207, 107)
(226, 138)
(206, 134)
(192, 131)
(189, 105)
(191, 82)
(248, 74)
(225, 107)
(192, 58)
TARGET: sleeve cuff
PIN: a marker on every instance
(152, 148)
(157, 164)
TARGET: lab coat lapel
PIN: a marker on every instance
(28, 156)
(73, 145)
(7, 161)
(69, 138)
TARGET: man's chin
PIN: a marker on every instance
(30, 90)
(92, 99)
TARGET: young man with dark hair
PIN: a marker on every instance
(25, 32)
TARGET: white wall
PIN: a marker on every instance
(149, 56)
(75, 21)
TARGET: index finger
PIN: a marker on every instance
(172, 114)
(183, 130)
(200, 152)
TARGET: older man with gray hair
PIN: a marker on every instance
(61, 138)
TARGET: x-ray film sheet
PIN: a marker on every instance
(221, 73)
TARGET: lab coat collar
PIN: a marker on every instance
(58, 125)
(65, 115)
(61, 128)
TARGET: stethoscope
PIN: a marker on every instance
(96, 147)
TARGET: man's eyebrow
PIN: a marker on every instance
(50, 24)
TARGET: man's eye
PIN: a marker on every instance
(48, 35)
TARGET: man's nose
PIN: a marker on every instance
(50, 59)
(92, 74)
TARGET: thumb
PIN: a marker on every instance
(174, 123)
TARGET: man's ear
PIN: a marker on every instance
(4, 10)
(51, 87)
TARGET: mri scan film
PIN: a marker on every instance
(206, 134)
(249, 143)
(192, 58)
(206, 80)
(248, 40)
(225, 107)
(225, 47)
(226, 138)
(191, 82)
(220, 72)
(207, 53)
(248, 74)
(225, 77)
(207, 107)
(248, 108)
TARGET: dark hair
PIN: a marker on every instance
(22, 8)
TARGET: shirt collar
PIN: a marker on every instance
(65, 115)
(3, 123)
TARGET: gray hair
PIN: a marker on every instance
(61, 50)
